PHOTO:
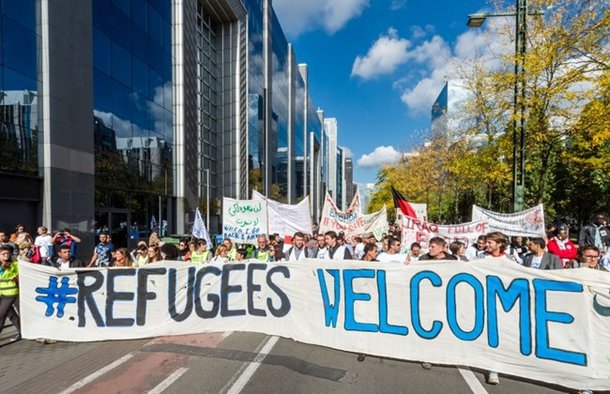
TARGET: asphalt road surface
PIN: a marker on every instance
(227, 363)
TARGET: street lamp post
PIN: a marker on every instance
(476, 20)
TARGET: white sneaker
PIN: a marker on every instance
(493, 378)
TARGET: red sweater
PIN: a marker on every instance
(568, 253)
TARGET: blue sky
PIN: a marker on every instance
(378, 65)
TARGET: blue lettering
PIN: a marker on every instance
(351, 297)
(543, 316)
(518, 289)
(415, 317)
(384, 326)
(331, 311)
(479, 316)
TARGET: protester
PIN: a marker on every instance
(458, 250)
(169, 252)
(231, 250)
(392, 255)
(122, 259)
(322, 251)
(589, 258)
(44, 241)
(370, 252)
(65, 260)
(358, 247)
(262, 251)
(139, 255)
(297, 252)
(476, 250)
(4, 240)
(436, 250)
(517, 248)
(20, 236)
(240, 256)
(183, 250)
(221, 255)
(595, 233)
(495, 247)
(540, 259)
(153, 254)
(9, 290)
(66, 237)
(414, 253)
(102, 254)
(336, 251)
(201, 254)
(561, 246)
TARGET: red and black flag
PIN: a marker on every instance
(403, 204)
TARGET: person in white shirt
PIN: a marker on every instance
(415, 253)
(476, 250)
(393, 254)
(358, 247)
(322, 251)
(44, 241)
(298, 251)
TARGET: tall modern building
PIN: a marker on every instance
(449, 114)
(115, 113)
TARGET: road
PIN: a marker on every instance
(226, 363)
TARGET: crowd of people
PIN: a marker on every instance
(555, 251)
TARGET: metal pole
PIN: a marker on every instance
(519, 107)
(207, 198)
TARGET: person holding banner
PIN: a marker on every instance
(336, 251)
(589, 257)
(476, 250)
(495, 247)
(221, 255)
(322, 250)
(64, 259)
(298, 251)
(231, 249)
(393, 255)
(540, 259)
(436, 250)
(201, 254)
(370, 252)
(9, 290)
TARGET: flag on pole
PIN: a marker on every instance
(153, 223)
(403, 204)
(199, 229)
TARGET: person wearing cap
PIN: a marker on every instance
(9, 290)
(561, 246)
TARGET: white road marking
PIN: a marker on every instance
(95, 375)
(226, 334)
(472, 381)
(245, 377)
(168, 381)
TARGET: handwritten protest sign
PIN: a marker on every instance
(420, 231)
(243, 220)
(528, 223)
(351, 222)
(551, 326)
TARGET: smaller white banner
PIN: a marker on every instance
(287, 219)
(243, 220)
(420, 231)
(528, 223)
(352, 223)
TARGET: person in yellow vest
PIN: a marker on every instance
(201, 254)
(231, 249)
(263, 251)
(9, 290)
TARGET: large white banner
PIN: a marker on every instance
(351, 222)
(528, 223)
(243, 220)
(420, 231)
(287, 219)
(552, 326)
(421, 210)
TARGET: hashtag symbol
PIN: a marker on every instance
(56, 295)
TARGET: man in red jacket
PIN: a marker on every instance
(561, 246)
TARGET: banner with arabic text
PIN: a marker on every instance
(243, 220)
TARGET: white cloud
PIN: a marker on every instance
(382, 155)
(398, 4)
(387, 53)
(298, 16)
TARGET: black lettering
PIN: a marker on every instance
(226, 290)
(171, 301)
(285, 302)
(85, 295)
(252, 288)
(143, 294)
(213, 298)
(112, 296)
